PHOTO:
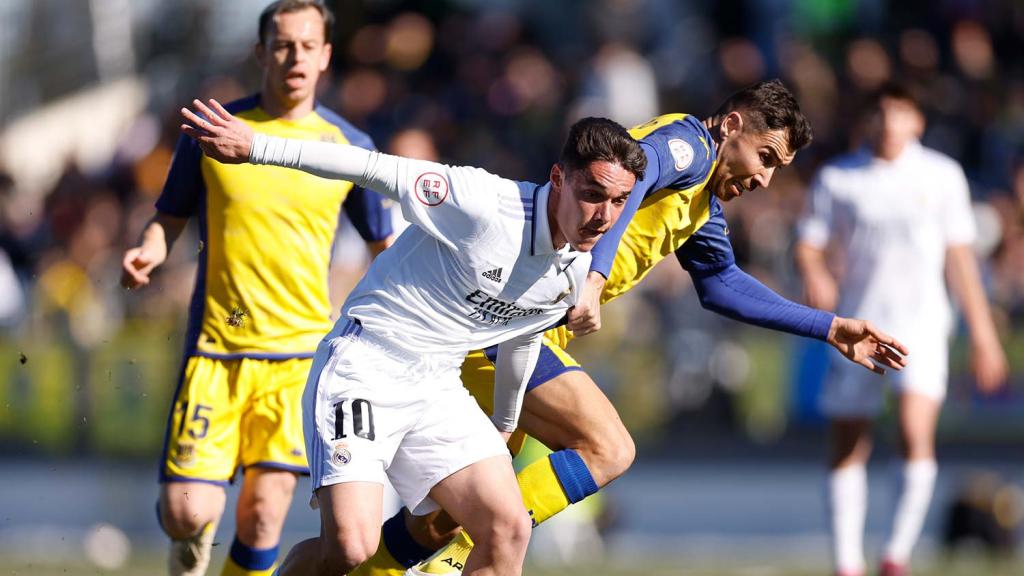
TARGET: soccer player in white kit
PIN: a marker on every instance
(488, 261)
(900, 214)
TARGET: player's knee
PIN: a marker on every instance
(260, 519)
(341, 554)
(507, 535)
(181, 520)
(609, 454)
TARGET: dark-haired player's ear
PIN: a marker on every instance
(556, 177)
(733, 122)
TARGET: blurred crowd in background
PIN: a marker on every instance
(487, 83)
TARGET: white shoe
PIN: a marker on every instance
(191, 557)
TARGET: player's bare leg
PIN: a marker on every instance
(262, 507)
(566, 413)
(918, 416)
(485, 499)
(847, 492)
(571, 412)
(350, 518)
(189, 513)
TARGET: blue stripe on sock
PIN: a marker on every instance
(400, 544)
(574, 475)
(253, 558)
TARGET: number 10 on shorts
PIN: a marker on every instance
(361, 418)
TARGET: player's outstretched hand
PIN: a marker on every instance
(866, 345)
(221, 136)
(136, 266)
(585, 316)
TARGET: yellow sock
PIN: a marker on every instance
(542, 492)
(382, 563)
(451, 559)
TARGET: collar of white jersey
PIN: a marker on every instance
(541, 243)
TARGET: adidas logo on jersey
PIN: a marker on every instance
(493, 275)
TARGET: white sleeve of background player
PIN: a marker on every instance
(814, 226)
(450, 203)
(516, 360)
(957, 213)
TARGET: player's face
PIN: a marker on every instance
(588, 202)
(893, 125)
(293, 56)
(747, 159)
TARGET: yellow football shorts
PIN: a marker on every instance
(478, 377)
(230, 413)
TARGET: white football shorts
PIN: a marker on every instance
(372, 411)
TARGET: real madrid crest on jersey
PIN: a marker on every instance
(341, 455)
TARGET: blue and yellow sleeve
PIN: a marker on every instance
(184, 185)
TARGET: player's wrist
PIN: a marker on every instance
(833, 329)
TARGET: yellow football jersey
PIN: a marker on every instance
(266, 235)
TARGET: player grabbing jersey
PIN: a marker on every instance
(260, 304)
(693, 166)
(487, 261)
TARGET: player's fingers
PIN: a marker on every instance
(890, 356)
(131, 278)
(885, 338)
(220, 110)
(867, 363)
(210, 115)
(191, 131)
(195, 121)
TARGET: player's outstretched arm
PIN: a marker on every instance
(228, 139)
(154, 244)
(860, 342)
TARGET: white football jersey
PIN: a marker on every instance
(476, 268)
(893, 221)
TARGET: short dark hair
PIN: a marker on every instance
(769, 105)
(600, 139)
(896, 91)
(286, 6)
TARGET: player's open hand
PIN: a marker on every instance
(221, 136)
(866, 345)
(585, 316)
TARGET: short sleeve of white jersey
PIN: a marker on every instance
(958, 217)
(816, 220)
